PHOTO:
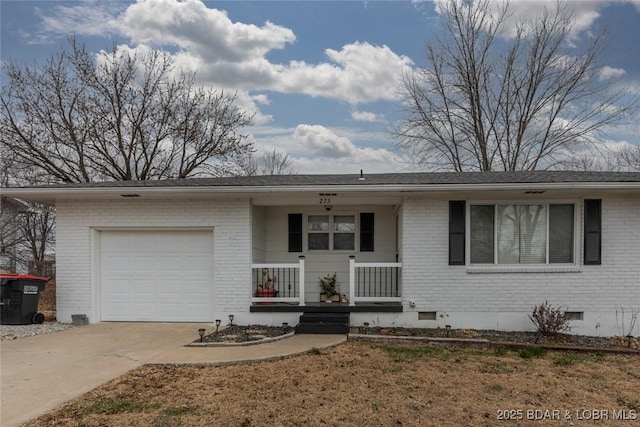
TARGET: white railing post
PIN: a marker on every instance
(352, 280)
(301, 286)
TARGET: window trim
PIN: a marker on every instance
(332, 214)
(546, 266)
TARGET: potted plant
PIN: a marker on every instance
(329, 288)
(267, 288)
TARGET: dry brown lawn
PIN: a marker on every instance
(366, 384)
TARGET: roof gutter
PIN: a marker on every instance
(59, 192)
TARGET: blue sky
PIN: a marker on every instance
(321, 76)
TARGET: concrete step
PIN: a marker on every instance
(323, 323)
(324, 317)
(328, 328)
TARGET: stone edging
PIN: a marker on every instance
(246, 361)
(486, 344)
(239, 344)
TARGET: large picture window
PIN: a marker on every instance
(336, 232)
(522, 234)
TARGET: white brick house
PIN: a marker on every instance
(470, 250)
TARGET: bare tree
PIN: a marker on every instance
(38, 229)
(27, 230)
(272, 163)
(275, 163)
(629, 158)
(486, 101)
(117, 116)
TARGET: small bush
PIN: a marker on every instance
(549, 320)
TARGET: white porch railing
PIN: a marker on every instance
(374, 281)
(282, 282)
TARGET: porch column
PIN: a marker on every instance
(352, 280)
(301, 273)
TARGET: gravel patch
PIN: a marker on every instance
(13, 332)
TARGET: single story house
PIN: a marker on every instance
(470, 250)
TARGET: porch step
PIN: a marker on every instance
(323, 323)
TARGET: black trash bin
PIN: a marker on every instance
(19, 295)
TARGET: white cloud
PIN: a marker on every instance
(234, 54)
(366, 116)
(609, 72)
(206, 33)
(320, 141)
(318, 149)
(261, 99)
(359, 72)
(92, 18)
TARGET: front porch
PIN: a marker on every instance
(372, 287)
(322, 307)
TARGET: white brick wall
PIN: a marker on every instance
(230, 220)
(503, 300)
(461, 297)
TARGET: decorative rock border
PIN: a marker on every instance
(487, 344)
(239, 344)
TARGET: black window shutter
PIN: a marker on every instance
(366, 231)
(592, 232)
(456, 232)
(295, 232)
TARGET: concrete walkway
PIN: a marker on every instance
(40, 373)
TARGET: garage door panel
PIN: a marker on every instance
(120, 288)
(193, 288)
(143, 286)
(196, 263)
(115, 263)
(144, 264)
(195, 310)
(169, 264)
(117, 309)
(156, 275)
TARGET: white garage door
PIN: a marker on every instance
(163, 276)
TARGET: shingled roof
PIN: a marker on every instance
(391, 179)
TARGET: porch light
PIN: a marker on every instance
(231, 320)
(448, 328)
(218, 321)
(201, 333)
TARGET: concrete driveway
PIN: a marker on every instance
(42, 372)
